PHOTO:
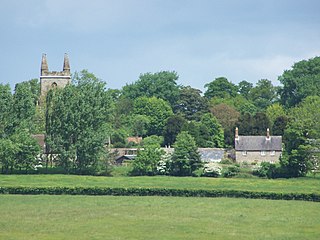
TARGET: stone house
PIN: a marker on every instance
(257, 149)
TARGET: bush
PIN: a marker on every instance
(158, 192)
(211, 170)
(230, 171)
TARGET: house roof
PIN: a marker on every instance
(258, 143)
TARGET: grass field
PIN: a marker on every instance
(301, 185)
(108, 217)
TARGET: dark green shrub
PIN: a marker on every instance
(230, 171)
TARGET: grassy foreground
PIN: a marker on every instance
(301, 185)
(108, 217)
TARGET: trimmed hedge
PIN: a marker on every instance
(158, 192)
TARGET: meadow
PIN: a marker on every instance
(110, 217)
(297, 185)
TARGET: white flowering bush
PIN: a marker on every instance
(211, 170)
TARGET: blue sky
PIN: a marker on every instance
(118, 40)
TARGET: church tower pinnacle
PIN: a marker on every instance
(44, 65)
(54, 79)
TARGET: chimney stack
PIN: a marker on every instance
(268, 133)
(237, 133)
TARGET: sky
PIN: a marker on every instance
(118, 40)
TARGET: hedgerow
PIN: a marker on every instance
(158, 192)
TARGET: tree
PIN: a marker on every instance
(263, 94)
(220, 87)
(8, 152)
(253, 125)
(245, 88)
(28, 149)
(77, 123)
(303, 129)
(214, 130)
(160, 85)
(191, 105)
(227, 117)
(5, 106)
(186, 158)
(23, 108)
(173, 127)
(301, 81)
(156, 109)
(274, 111)
(139, 125)
(279, 125)
(147, 159)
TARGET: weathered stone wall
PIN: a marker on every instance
(47, 82)
(256, 157)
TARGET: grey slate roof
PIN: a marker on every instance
(258, 143)
(211, 154)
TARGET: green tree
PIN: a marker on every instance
(156, 109)
(245, 88)
(191, 105)
(139, 125)
(263, 94)
(5, 106)
(77, 123)
(303, 129)
(214, 129)
(147, 159)
(274, 111)
(23, 108)
(228, 117)
(173, 127)
(279, 125)
(8, 153)
(301, 81)
(160, 85)
(220, 87)
(186, 158)
(28, 149)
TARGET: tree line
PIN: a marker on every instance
(82, 118)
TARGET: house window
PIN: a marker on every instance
(263, 153)
(272, 153)
(244, 153)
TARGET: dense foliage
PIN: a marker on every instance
(81, 119)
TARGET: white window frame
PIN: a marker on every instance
(244, 153)
(272, 153)
(263, 153)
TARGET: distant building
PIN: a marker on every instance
(257, 149)
(53, 79)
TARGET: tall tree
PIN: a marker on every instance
(186, 158)
(173, 127)
(76, 122)
(5, 106)
(245, 88)
(220, 87)
(160, 85)
(23, 108)
(147, 159)
(228, 117)
(214, 130)
(301, 81)
(191, 104)
(303, 129)
(156, 109)
(263, 94)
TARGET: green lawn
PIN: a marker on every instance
(109, 217)
(300, 185)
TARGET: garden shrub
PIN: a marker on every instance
(158, 192)
(231, 171)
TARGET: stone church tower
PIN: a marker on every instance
(49, 80)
